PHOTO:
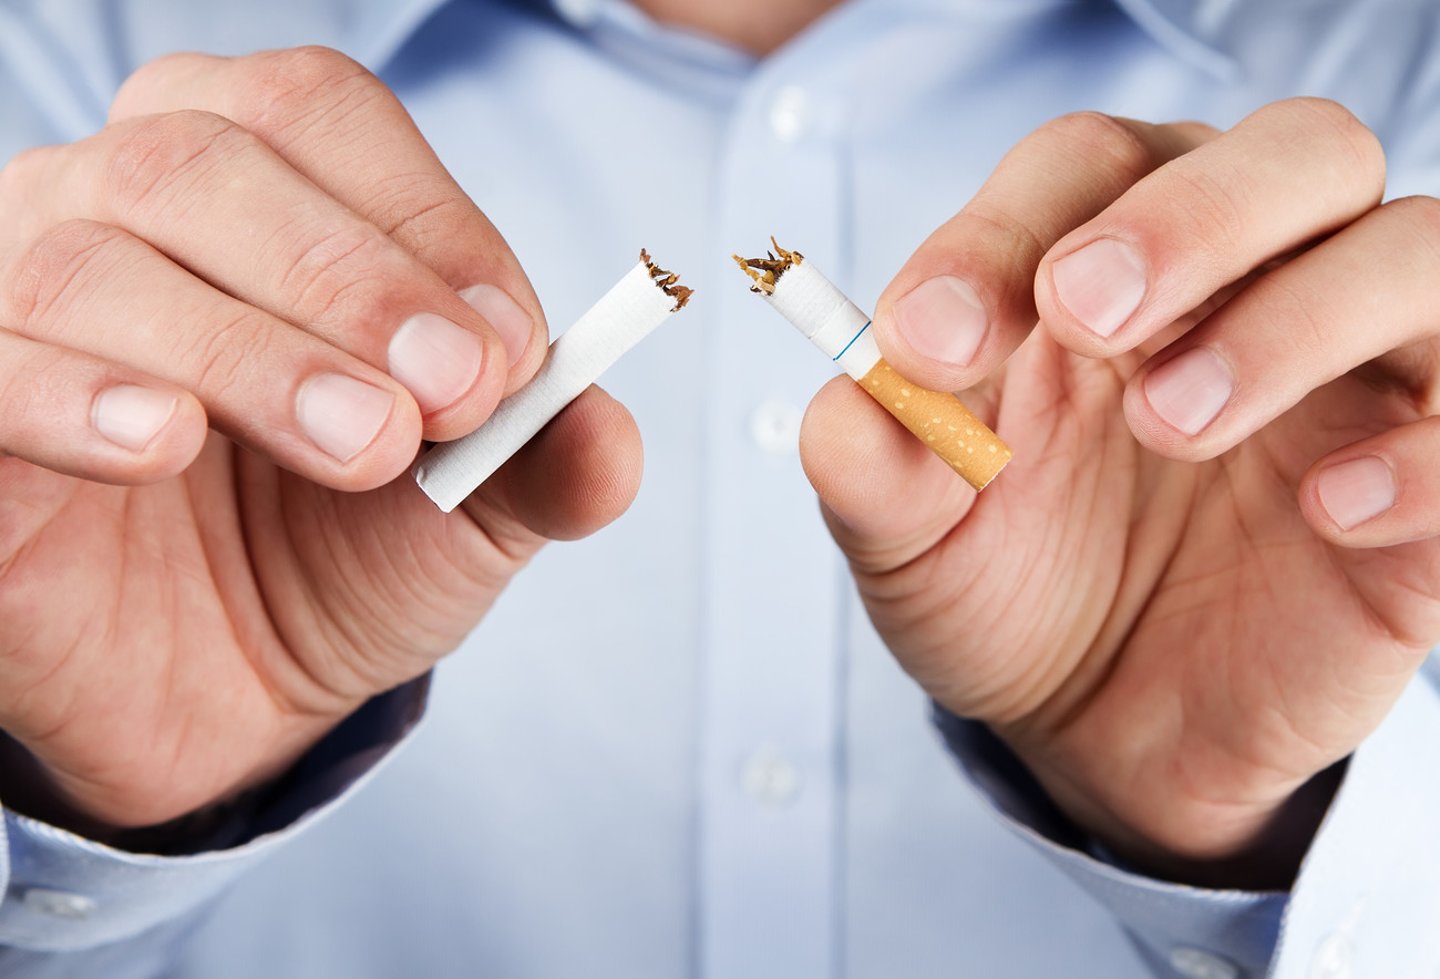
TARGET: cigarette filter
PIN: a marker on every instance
(833, 323)
(642, 300)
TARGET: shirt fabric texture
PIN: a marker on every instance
(678, 748)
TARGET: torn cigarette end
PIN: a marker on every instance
(833, 323)
(642, 300)
(669, 282)
(766, 272)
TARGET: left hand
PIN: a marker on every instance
(1213, 566)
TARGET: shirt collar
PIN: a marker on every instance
(377, 29)
(1192, 30)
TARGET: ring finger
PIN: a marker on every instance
(309, 405)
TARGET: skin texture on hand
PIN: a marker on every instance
(1176, 605)
(267, 246)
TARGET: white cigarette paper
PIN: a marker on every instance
(828, 319)
(642, 300)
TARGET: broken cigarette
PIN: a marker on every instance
(833, 323)
(642, 300)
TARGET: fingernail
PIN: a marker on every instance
(1189, 391)
(511, 322)
(942, 319)
(1101, 284)
(131, 416)
(340, 414)
(436, 359)
(1356, 491)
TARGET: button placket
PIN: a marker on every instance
(771, 700)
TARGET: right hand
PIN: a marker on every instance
(268, 247)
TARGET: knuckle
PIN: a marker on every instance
(1092, 134)
(424, 218)
(338, 276)
(288, 89)
(1422, 211)
(22, 387)
(998, 231)
(24, 172)
(153, 76)
(424, 211)
(1421, 215)
(1196, 130)
(55, 267)
(1308, 320)
(35, 386)
(223, 356)
(1316, 110)
(156, 156)
(1212, 214)
(316, 64)
(1339, 127)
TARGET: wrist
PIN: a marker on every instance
(1253, 848)
(153, 811)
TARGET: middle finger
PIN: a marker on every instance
(220, 202)
(1292, 330)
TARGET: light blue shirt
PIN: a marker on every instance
(678, 748)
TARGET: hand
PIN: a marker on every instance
(1212, 566)
(268, 246)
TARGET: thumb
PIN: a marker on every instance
(986, 601)
(396, 584)
(922, 568)
(887, 498)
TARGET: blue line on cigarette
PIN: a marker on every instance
(852, 341)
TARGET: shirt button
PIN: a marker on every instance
(1194, 963)
(775, 427)
(790, 113)
(58, 904)
(769, 779)
(1334, 959)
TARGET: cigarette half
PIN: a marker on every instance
(642, 300)
(812, 303)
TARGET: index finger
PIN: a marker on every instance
(966, 299)
(1288, 174)
(342, 128)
